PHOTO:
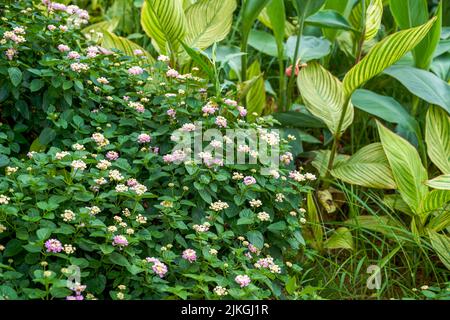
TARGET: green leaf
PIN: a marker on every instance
(340, 239)
(323, 95)
(441, 183)
(384, 54)
(112, 41)
(47, 135)
(43, 233)
(423, 84)
(256, 96)
(277, 15)
(329, 19)
(118, 259)
(164, 21)
(384, 107)
(298, 119)
(263, 42)
(249, 12)
(441, 244)
(382, 224)
(368, 167)
(407, 169)
(256, 238)
(208, 21)
(411, 13)
(13, 247)
(311, 48)
(396, 202)
(15, 75)
(374, 13)
(315, 224)
(277, 226)
(435, 200)
(322, 158)
(307, 8)
(437, 137)
(36, 85)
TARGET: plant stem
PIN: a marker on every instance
(337, 137)
(282, 82)
(244, 59)
(294, 61)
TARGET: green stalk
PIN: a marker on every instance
(338, 133)
(244, 58)
(282, 82)
(290, 87)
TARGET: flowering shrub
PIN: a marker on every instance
(102, 191)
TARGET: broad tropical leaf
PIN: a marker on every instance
(289, 28)
(250, 11)
(341, 239)
(382, 224)
(208, 21)
(329, 19)
(342, 7)
(322, 158)
(441, 220)
(324, 96)
(396, 202)
(315, 225)
(441, 183)
(374, 14)
(384, 54)
(412, 13)
(112, 41)
(441, 244)
(368, 167)
(423, 84)
(164, 21)
(307, 8)
(437, 137)
(407, 169)
(384, 107)
(256, 96)
(110, 26)
(435, 200)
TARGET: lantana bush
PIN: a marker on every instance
(93, 193)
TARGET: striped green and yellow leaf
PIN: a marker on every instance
(407, 169)
(341, 239)
(322, 157)
(441, 244)
(165, 23)
(373, 16)
(437, 137)
(396, 202)
(324, 97)
(441, 183)
(368, 167)
(435, 200)
(256, 95)
(384, 54)
(208, 21)
(112, 41)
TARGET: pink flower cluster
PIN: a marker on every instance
(120, 241)
(53, 245)
(189, 255)
(177, 156)
(171, 113)
(63, 48)
(112, 155)
(81, 14)
(242, 280)
(144, 138)
(172, 73)
(221, 122)
(209, 108)
(136, 70)
(158, 267)
(249, 180)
